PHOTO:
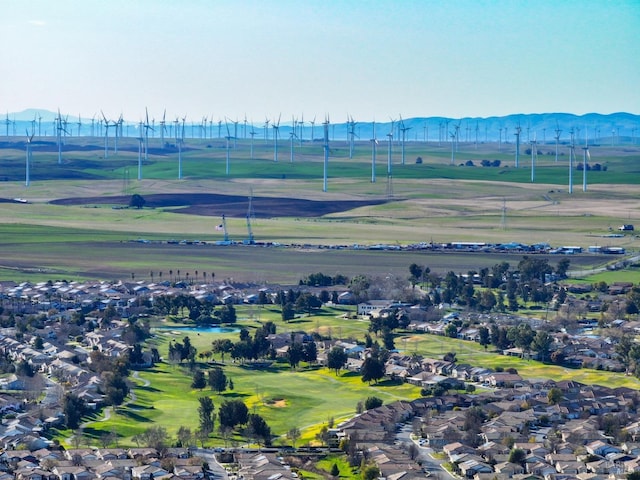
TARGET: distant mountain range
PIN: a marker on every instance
(539, 126)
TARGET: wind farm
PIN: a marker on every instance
(441, 188)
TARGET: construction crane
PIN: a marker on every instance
(249, 241)
(223, 227)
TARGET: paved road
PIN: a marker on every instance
(429, 464)
(208, 455)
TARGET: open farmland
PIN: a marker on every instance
(73, 224)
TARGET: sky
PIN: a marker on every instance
(368, 60)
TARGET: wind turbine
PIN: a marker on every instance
(313, 123)
(140, 143)
(534, 156)
(106, 134)
(118, 124)
(301, 123)
(146, 127)
(404, 130)
(517, 134)
(557, 137)
(27, 180)
(352, 133)
(586, 156)
(453, 143)
(374, 145)
(179, 143)
(79, 124)
(163, 127)
(292, 135)
(266, 130)
(253, 134)
(326, 153)
(228, 138)
(59, 130)
(389, 141)
(276, 129)
(235, 133)
(571, 155)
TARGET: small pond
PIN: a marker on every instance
(198, 329)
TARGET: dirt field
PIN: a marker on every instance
(230, 205)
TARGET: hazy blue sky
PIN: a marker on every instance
(369, 59)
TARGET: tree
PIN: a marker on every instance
(155, 437)
(416, 272)
(295, 354)
(288, 312)
(137, 201)
(336, 358)
(554, 395)
(372, 369)
(484, 336)
(198, 381)
(517, 456)
(293, 434)
(335, 471)
(185, 437)
(217, 380)
(309, 352)
(232, 413)
(258, 429)
(73, 408)
(372, 402)
(370, 472)
(541, 343)
(205, 414)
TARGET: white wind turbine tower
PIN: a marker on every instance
(557, 137)
(453, 143)
(585, 157)
(326, 154)
(571, 155)
(534, 156)
(389, 141)
(106, 135)
(27, 180)
(93, 125)
(163, 127)
(118, 125)
(140, 146)
(235, 133)
(179, 143)
(146, 127)
(292, 135)
(313, 123)
(228, 138)
(7, 122)
(352, 133)
(59, 130)
(266, 130)
(517, 134)
(301, 123)
(374, 146)
(252, 133)
(404, 130)
(276, 130)
(79, 124)
(500, 140)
